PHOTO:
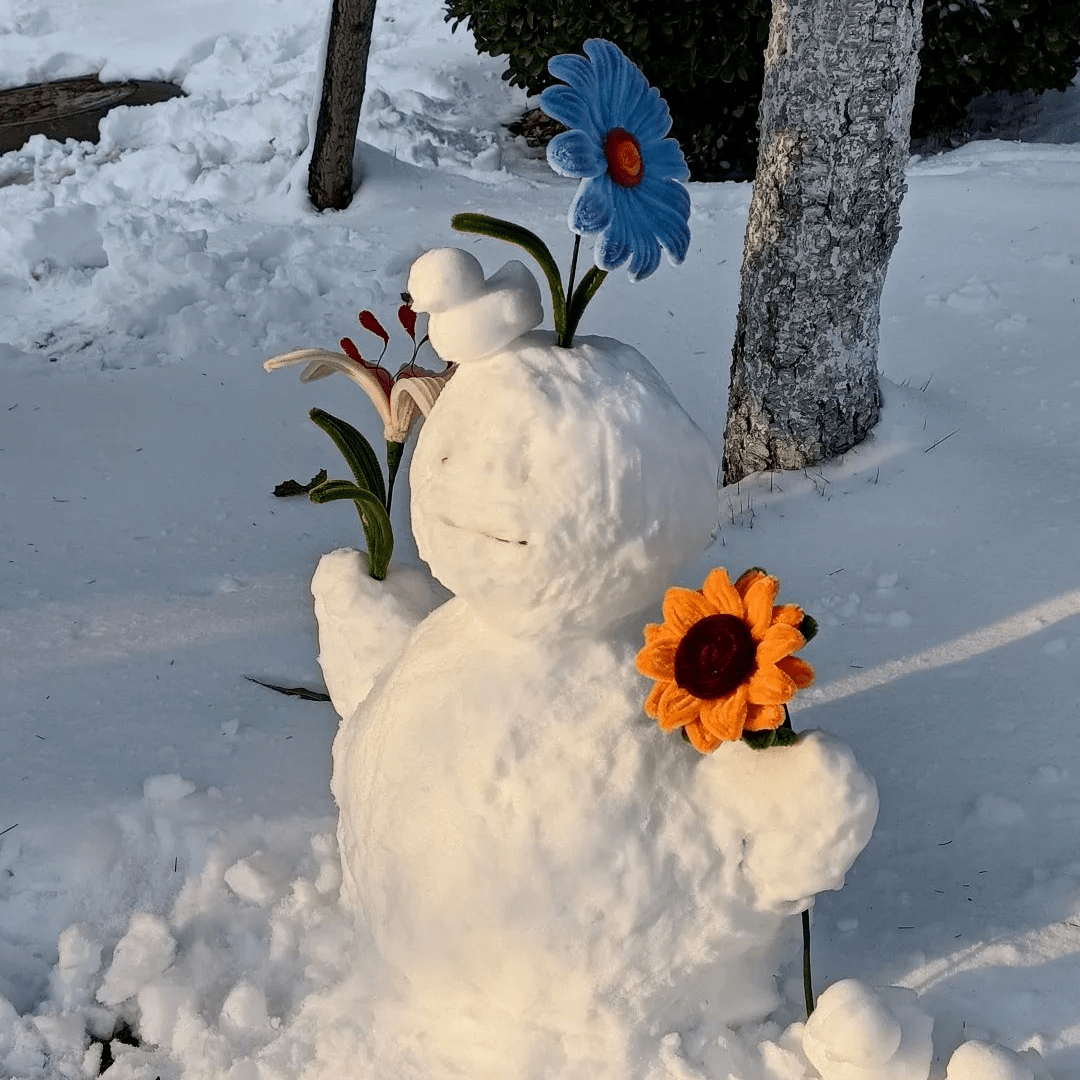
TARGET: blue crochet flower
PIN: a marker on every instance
(630, 191)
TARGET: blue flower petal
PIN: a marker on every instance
(574, 70)
(575, 153)
(662, 205)
(649, 118)
(592, 208)
(604, 90)
(665, 159)
(627, 237)
(622, 82)
(566, 105)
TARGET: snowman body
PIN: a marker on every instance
(549, 884)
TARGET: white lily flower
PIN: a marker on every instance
(400, 399)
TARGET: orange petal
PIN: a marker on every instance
(747, 578)
(676, 707)
(725, 717)
(770, 686)
(683, 608)
(779, 641)
(798, 671)
(700, 739)
(758, 599)
(789, 614)
(652, 702)
(657, 660)
(721, 594)
(764, 717)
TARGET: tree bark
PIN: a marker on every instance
(825, 214)
(330, 175)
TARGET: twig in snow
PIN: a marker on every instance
(292, 691)
(941, 440)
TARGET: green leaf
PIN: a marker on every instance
(356, 450)
(808, 627)
(516, 234)
(290, 487)
(762, 740)
(373, 519)
(759, 740)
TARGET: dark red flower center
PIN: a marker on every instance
(716, 654)
(625, 163)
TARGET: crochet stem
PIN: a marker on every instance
(808, 982)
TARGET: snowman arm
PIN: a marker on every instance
(363, 623)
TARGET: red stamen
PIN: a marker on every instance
(625, 163)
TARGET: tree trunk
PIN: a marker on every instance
(835, 122)
(330, 175)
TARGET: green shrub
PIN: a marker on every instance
(980, 46)
(707, 58)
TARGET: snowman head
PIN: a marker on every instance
(560, 488)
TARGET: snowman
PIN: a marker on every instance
(548, 885)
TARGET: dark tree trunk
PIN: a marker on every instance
(835, 121)
(330, 176)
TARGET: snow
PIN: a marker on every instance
(472, 317)
(149, 793)
(579, 519)
(859, 1032)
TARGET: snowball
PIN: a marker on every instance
(78, 962)
(808, 810)
(161, 1003)
(363, 623)
(22, 1049)
(560, 487)
(858, 1032)
(142, 954)
(507, 306)
(444, 278)
(244, 1010)
(977, 1060)
(260, 878)
(855, 1024)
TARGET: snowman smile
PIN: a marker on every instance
(482, 532)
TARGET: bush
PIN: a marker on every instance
(981, 46)
(707, 58)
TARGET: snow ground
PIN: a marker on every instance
(148, 569)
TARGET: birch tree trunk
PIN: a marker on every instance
(330, 174)
(835, 121)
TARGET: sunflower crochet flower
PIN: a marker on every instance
(630, 191)
(722, 659)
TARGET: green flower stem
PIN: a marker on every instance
(516, 234)
(585, 291)
(573, 265)
(394, 451)
(785, 735)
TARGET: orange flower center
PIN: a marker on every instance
(625, 164)
(715, 655)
